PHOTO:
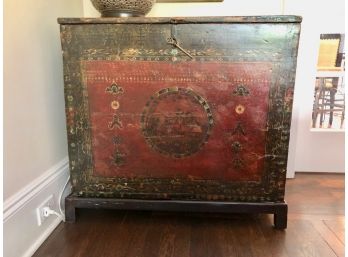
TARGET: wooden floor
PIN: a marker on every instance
(315, 228)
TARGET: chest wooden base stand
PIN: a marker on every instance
(280, 210)
(188, 114)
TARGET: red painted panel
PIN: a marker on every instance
(199, 126)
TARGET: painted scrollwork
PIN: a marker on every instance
(114, 89)
(241, 90)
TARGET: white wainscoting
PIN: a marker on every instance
(22, 234)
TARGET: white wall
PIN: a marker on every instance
(34, 122)
(314, 151)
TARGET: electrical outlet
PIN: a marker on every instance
(49, 202)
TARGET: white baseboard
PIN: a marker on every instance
(22, 235)
(321, 171)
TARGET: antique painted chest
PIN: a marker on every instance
(179, 113)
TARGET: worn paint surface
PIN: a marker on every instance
(179, 119)
(177, 110)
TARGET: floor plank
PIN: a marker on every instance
(303, 240)
(337, 227)
(329, 236)
(315, 229)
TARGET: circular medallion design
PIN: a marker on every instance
(176, 122)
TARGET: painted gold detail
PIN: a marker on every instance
(118, 156)
(114, 89)
(116, 122)
(115, 105)
(117, 140)
(238, 163)
(240, 109)
(241, 90)
(239, 130)
(236, 147)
